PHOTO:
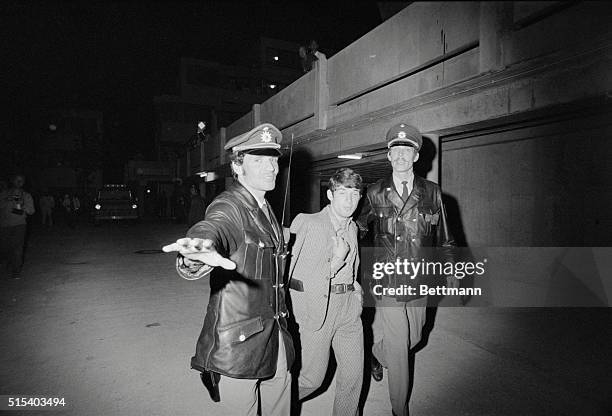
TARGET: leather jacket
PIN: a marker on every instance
(240, 335)
(401, 230)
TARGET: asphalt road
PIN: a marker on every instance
(112, 331)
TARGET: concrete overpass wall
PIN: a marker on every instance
(416, 37)
(442, 65)
(292, 104)
(446, 67)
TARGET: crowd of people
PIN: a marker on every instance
(62, 209)
(181, 206)
(59, 209)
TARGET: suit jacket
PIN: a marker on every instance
(240, 336)
(311, 255)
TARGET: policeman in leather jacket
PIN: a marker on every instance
(403, 214)
(244, 344)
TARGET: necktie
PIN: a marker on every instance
(405, 193)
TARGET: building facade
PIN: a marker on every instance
(513, 98)
(218, 94)
(71, 151)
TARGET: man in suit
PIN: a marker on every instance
(326, 297)
(244, 351)
(404, 214)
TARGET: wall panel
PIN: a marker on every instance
(539, 185)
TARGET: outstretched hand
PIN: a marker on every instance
(201, 250)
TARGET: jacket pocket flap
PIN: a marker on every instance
(426, 209)
(241, 331)
(258, 239)
(384, 210)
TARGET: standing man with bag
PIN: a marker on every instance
(404, 214)
(244, 351)
(15, 205)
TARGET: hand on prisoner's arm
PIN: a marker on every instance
(199, 250)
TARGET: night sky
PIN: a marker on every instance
(115, 56)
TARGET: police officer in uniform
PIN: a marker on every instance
(244, 351)
(403, 213)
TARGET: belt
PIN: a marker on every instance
(342, 288)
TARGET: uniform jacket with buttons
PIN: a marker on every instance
(240, 335)
(403, 230)
(311, 255)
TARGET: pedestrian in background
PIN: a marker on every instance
(47, 203)
(309, 55)
(76, 208)
(15, 205)
(197, 209)
(68, 211)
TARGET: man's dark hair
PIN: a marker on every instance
(346, 177)
(236, 158)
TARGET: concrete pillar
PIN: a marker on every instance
(256, 115)
(321, 101)
(495, 25)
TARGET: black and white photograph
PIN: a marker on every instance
(305, 208)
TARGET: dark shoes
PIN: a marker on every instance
(377, 369)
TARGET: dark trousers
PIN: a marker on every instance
(12, 240)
